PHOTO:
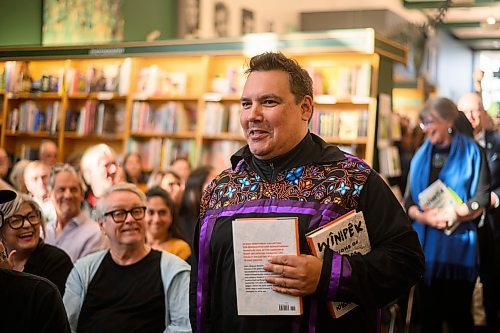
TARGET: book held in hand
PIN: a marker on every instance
(345, 235)
(438, 195)
(254, 241)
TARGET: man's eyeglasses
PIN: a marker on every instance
(17, 221)
(120, 215)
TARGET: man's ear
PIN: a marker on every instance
(306, 107)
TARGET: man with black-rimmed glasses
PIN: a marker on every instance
(130, 287)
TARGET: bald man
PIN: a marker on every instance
(489, 233)
(48, 152)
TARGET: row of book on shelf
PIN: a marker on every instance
(169, 117)
(154, 151)
(31, 117)
(158, 152)
(348, 124)
(342, 81)
(97, 118)
(221, 118)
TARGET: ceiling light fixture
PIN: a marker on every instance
(491, 20)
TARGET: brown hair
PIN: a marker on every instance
(300, 82)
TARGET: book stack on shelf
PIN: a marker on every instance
(340, 125)
(106, 78)
(169, 118)
(222, 118)
(153, 81)
(96, 118)
(149, 150)
(341, 80)
(29, 117)
(18, 79)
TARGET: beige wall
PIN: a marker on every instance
(285, 14)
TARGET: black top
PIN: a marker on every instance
(125, 298)
(51, 263)
(30, 304)
(395, 263)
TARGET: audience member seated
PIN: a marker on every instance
(16, 176)
(48, 153)
(170, 182)
(29, 303)
(163, 232)
(99, 169)
(132, 165)
(36, 178)
(130, 286)
(20, 234)
(190, 204)
(74, 159)
(182, 167)
(4, 165)
(73, 230)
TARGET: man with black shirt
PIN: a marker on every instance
(28, 303)
(285, 171)
(130, 287)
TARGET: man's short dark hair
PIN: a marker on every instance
(300, 82)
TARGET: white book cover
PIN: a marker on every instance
(254, 241)
(438, 195)
(345, 235)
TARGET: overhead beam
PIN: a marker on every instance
(455, 25)
(416, 4)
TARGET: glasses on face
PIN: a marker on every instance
(426, 122)
(120, 215)
(17, 221)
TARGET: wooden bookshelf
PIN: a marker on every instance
(201, 81)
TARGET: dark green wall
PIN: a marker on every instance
(144, 16)
(21, 20)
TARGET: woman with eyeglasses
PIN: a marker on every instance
(20, 234)
(163, 232)
(448, 235)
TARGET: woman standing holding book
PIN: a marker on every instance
(451, 259)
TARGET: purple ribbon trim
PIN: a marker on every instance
(335, 276)
(257, 206)
(313, 316)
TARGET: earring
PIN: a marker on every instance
(450, 130)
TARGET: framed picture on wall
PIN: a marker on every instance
(221, 19)
(247, 21)
(189, 18)
(82, 22)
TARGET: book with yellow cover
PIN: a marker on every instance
(345, 235)
(254, 241)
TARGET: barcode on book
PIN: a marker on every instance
(286, 307)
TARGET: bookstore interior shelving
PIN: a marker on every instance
(171, 98)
